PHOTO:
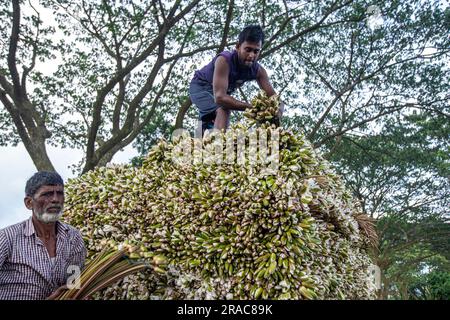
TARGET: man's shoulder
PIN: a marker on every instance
(13, 230)
(71, 230)
(225, 55)
(73, 234)
(222, 58)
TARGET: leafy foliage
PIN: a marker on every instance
(366, 81)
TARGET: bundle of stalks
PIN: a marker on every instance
(264, 111)
(367, 225)
(107, 268)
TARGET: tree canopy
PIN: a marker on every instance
(366, 81)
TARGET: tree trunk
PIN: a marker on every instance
(404, 291)
(38, 154)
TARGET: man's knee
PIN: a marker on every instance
(223, 112)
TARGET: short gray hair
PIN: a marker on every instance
(42, 178)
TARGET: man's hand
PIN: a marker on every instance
(57, 292)
(247, 105)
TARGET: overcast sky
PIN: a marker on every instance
(16, 167)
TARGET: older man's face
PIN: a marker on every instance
(47, 203)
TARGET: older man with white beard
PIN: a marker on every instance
(38, 255)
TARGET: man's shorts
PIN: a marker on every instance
(201, 93)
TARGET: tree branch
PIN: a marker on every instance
(15, 115)
(102, 93)
(14, 38)
(226, 28)
(27, 70)
(94, 32)
(314, 27)
(321, 142)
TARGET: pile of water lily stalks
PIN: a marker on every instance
(226, 227)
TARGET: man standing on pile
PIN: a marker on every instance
(211, 88)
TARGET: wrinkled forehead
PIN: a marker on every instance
(50, 188)
(250, 45)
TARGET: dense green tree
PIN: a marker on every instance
(119, 63)
(400, 176)
(431, 286)
(366, 81)
(114, 61)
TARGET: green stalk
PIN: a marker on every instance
(104, 264)
(115, 278)
(122, 265)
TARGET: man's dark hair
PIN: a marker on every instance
(42, 178)
(252, 33)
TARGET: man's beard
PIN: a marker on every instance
(245, 65)
(47, 217)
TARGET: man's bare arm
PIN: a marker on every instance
(263, 81)
(220, 87)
